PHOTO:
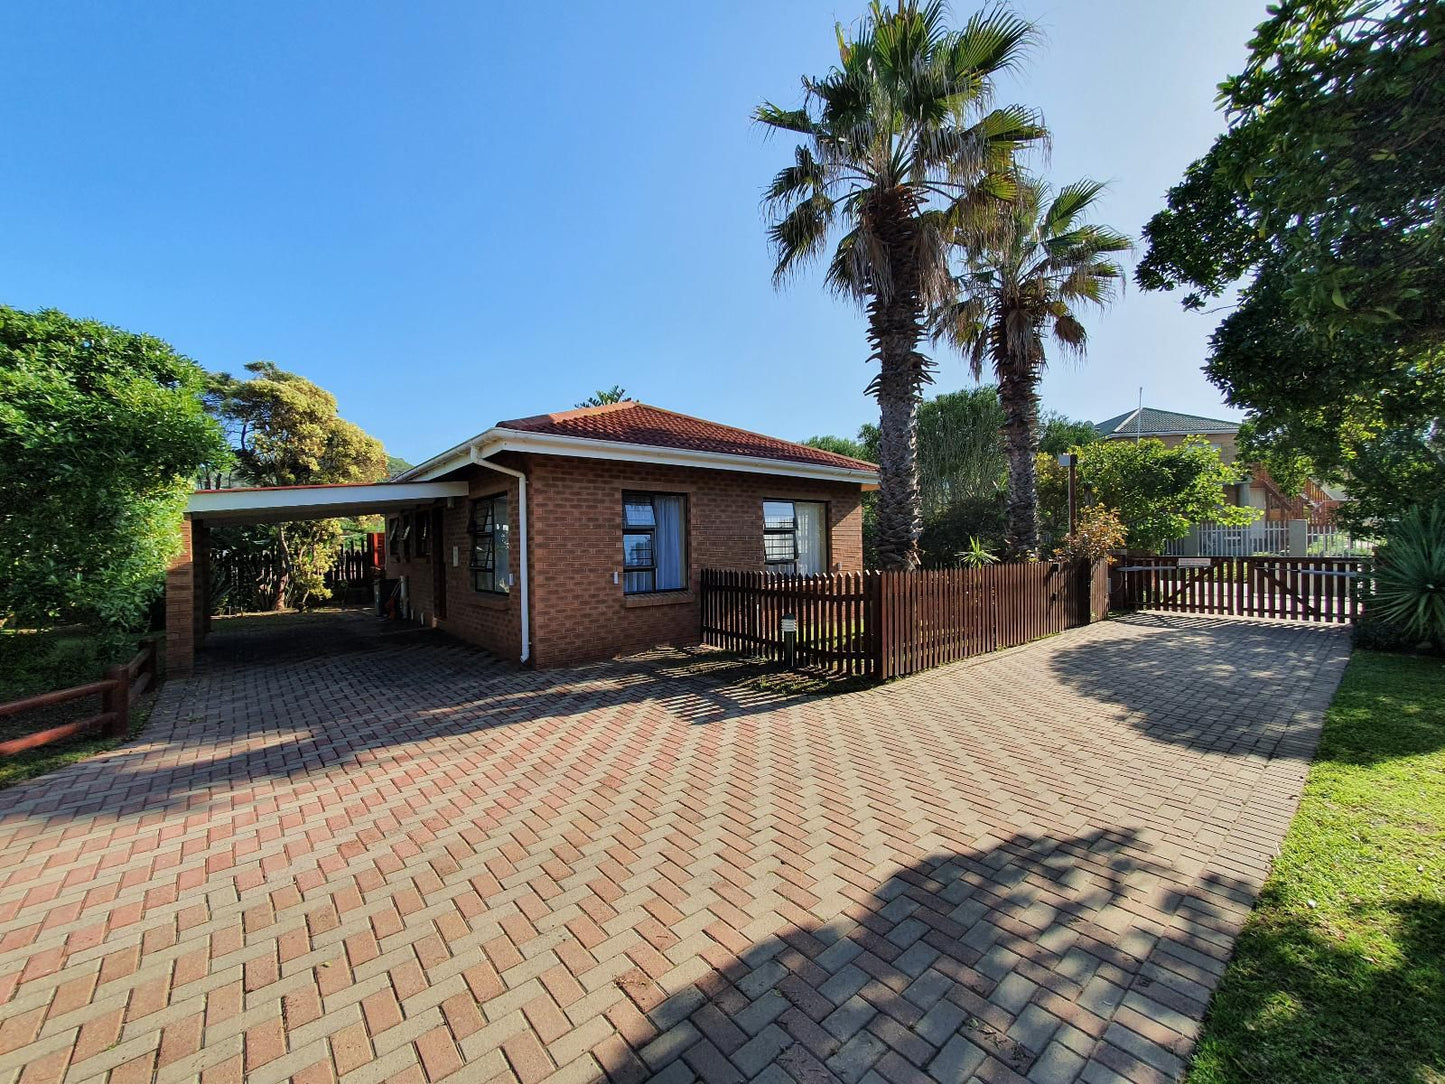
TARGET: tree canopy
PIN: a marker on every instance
(604, 396)
(286, 431)
(1158, 492)
(102, 432)
(1326, 197)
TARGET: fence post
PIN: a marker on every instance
(1299, 538)
(116, 702)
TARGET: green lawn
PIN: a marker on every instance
(1340, 974)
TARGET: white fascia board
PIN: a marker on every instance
(279, 498)
(511, 440)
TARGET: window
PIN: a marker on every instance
(794, 538)
(491, 548)
(423, 534)
(654, 554)
(393, 537)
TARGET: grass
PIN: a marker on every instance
(1339, 975)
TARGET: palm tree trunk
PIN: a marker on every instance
(895, 327)
(1020, 402)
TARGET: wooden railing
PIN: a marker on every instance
(1319, 589)
(116, 689)
(887, 624)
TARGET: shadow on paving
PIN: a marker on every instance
(1187, 687)
(277, 696)
(1030, 960)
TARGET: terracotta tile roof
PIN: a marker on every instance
(637, 423)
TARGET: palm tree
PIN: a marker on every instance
(1027, 282)
(900, 156)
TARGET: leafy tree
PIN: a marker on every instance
(1324, 198)
(287, 432)
(615, 394)
(1160, 492)
(101, 433)
(1059, 433)
(900, 156)
(1025, 284)
(839, 446)
(960, 471)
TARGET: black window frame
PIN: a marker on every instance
(422, 522)
(636, 496)
(827, 539)
(476, 535)
(791, 531)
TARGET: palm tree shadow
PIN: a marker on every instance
(1030, 959)
(1218, 685)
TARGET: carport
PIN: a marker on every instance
(187, 608)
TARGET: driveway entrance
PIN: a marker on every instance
(386, 856)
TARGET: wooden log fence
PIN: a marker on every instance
(116, 689)
(1313, 589)
(888, 624)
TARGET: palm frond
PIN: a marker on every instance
(1072, 201)
(992, 41)
(799, 236)
(788, 120)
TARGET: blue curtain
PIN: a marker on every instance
(671, 548)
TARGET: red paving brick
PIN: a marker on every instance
(343, 847)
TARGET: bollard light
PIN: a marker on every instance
(790, 640)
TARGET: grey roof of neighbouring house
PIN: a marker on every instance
(1152, 422)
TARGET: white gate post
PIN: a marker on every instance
(1299, 538)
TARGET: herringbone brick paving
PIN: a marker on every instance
(339, 852)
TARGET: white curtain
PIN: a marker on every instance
(671, 550)
(811, 548)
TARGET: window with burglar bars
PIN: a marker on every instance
(795, 537)
(491, 549)
(654, 550)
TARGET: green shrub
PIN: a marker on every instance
(1409, 588)
(39, 662)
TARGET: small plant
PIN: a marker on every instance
(1099, 533)
(1409, 590)
(976, 555)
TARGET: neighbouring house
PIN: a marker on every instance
(569, 537)
(1314, 503)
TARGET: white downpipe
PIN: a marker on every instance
(521, 543)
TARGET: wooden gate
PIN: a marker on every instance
(1319, 589)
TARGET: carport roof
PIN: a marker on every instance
(275, 504)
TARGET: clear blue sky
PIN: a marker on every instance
(451, 214)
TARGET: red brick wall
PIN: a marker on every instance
(489, 620)
(579, 614)
(182, 586)
(575, 533)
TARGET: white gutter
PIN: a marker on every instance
(500, 439)
(475, 456)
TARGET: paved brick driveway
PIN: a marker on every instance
(390, 858)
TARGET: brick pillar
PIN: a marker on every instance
(181, 607)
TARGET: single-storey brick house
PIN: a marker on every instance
(569, 537)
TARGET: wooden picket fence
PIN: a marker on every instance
(116, 689)
(1317, 589)
(888, 624)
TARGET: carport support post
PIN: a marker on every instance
(181, 590)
